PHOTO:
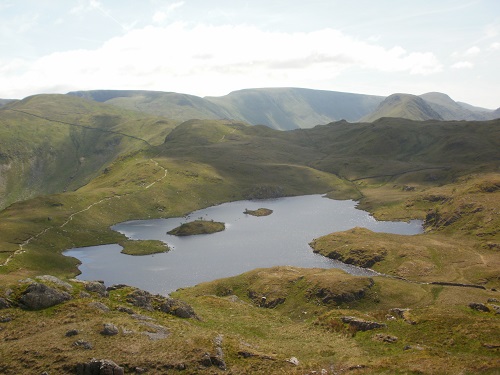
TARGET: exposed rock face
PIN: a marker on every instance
(99, 367)
(40, 296)
(56, 281)
(360, 324)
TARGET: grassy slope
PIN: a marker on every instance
(203, 163)
(53, 143)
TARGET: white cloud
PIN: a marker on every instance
(473, 51)
(495, 46)
(210, 60)
(463, 65)
(162, 14)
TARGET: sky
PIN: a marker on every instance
(210, 48)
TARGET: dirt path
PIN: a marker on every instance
(26, 242)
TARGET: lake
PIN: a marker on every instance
(248, 242)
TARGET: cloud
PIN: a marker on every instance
(495, 46)
(163, 14)
(473, 51)
(463, 65)
(213, 60)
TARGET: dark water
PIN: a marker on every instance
(247, 243)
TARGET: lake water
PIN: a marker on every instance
(248, 242)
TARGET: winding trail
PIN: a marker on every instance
(26, 242)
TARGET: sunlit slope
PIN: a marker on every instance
(54, 143)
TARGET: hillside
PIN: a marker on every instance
(432, 311)
(290, 108)
(55, 143)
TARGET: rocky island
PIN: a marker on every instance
(258, 212)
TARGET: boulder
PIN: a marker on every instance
(385, 338)
(479, 306)
(4, 304)
(360, 324)
(178, 308)
(150, 302)
(109, 329)
(99, 367)
(56, 281)
(40, 296)
(96, 287)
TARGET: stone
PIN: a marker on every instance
(96, 287)
(99, 306)
(479, 306)
(293, 361)
(83, 344)
(385, 338)
(72, 332)
(4, 304)
(109, 329)
(126, 310)
(99, 367)
(5, 319)
(496, 308)
(178, 308)
(56, 281)
(40, 296)
(360, 324)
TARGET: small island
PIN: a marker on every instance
(198, 227)
(258, 212)
(143, 247)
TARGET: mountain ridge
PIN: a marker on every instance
(287, 108)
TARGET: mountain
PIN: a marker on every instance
(6, 101)
(404, 106)
(448, 109)
(292, 108)
(278, 108)
(54, 143)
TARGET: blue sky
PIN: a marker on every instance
(209, 48)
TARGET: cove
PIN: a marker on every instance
(248, 242)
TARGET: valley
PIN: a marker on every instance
(71, 168)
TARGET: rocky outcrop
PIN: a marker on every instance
(99, 367)
(4, 304)
(109, 329)
(96, 287)
(360, 324)
(40, 296)
(150, 302)
(479, 307)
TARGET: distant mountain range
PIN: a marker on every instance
(292, 108)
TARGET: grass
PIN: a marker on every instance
(143, 247)
(259, 212)
(197, 227)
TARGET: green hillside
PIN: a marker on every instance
(55, 143)
(273, 321)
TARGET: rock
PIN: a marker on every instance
(4, 304)
(141, 298)
(177, 308)
(479, 306)
(205, 360)
(125, 310)
(83, 344)
(40, 296)
(385, 338)
(493, 300)
(116, 287)
(99, 367)
(96, 287)
(360, 324)
(99, 306)
(403, 314)
(56, 281)
(109, 330)
(72, 332)
(496, 308)
(155, 331)
(5, 319)
(293, 361)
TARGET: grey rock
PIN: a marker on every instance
(177, 308)
(96, 287)
(56, 281)
(493, 300)
(109, 329)
(360, 324)
(72, 332)
(4, 304)
(83, 344)
(99, 367)
(125, 310)
(385, 338)
(5, 319)
(155, 331)
(479, 306)
(40, 296)
(150, 302)
(496, 308)
(99, 306)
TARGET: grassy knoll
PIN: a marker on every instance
(259, 212)
(143, 247)
(197, 227)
